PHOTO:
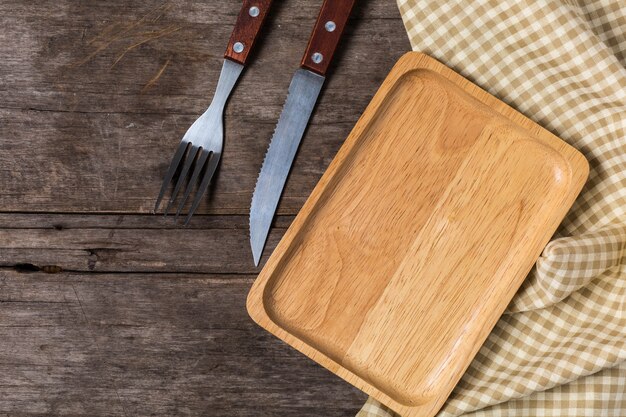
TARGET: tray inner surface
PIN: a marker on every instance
(409, 239)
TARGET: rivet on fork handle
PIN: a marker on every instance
(247, 29)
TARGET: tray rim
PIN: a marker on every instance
(410, 61)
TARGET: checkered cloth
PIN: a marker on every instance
(560, 349)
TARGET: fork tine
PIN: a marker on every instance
(183, 175)
(204, 155)
(170, 172)
(210, 170)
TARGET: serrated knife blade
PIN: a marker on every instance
(303, 92)
(304, 89)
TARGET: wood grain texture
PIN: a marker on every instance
(146, 345)
(247, 29)
(29, 221)
(325, 40)
(417, 237)
(94, 98)
(117, 249)
(78, 86)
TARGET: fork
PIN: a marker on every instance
(201, 146)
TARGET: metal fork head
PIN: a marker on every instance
(201, 147)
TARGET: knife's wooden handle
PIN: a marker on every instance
(326, 34)
(247, 29)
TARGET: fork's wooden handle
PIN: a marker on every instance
(326, 34)
(247, 28)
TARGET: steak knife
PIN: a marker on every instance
(304, 90)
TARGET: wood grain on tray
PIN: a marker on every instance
(417, 236)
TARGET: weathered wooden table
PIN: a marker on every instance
(106, 309)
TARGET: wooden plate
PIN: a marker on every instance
(417, 236)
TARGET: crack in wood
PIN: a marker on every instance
(28, 267)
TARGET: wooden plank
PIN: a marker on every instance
(212, 250)
(219, 300)
(73, 174)
(29, 401)
(95, 97)
(125, 221)
(150, 345)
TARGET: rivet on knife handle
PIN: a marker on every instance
(326, 35)
(247, 28)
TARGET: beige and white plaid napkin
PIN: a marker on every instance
(560, 349)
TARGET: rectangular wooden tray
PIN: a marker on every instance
(417, 236)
